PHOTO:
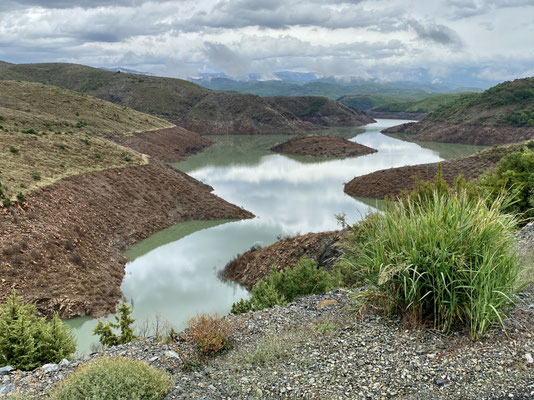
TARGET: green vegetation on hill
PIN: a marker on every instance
(370, 101)
(506, 104)
(429, 104)
(175, 100)
(48, 133)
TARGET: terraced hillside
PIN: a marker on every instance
(72, 198)
(176, 100)
(501, 114)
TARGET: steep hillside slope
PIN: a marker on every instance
(178, 101)
(72, 199)
(501, 114)
(321, 110)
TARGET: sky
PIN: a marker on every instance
(435, 40)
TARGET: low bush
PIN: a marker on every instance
(6, 202)
(281, 287)
(13, 150)
(448, 258)
(114, 379)
(36, 176)
(210, 334)
(27, 341)
(513, 177)
(21, 198)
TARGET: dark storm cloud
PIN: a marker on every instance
(437, 33)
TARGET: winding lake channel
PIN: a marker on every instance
(173, 274)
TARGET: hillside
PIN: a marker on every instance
(48, 133)
(501, 114)
(393, 181)
(76, 184)
(426, 105)
(178, 101)
(321, 110)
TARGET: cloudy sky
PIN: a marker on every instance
(488, 40)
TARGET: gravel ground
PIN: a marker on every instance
(318, 348)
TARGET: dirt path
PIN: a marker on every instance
(393, 181)
(322, 146)
(64, 251)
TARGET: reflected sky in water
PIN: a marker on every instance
(289, 196)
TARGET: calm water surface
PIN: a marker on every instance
(174, 272)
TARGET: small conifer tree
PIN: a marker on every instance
(123, 321)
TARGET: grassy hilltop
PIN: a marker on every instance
(507, 104)
(48, 133)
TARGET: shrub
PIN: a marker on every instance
(13, 150)
(281, 287)
(36, 176)
(114, 379)
(26, 341)
(449, 259)
(209, 333)
(240, 307)
(123, 321)
(6, 202)
(513, 177)
(30, 131)
(97, 155)
(20, 197)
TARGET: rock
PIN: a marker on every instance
(64, 363)
(440, 382)
(7, 388)
(171, 354)
(6, 370)
(529, 358)
(50, 368)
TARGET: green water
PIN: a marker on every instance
(174, 272)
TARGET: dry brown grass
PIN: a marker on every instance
(210, 334)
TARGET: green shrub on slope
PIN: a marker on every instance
(114, 379)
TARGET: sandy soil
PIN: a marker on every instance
(64, 249)
(255, 264)
(391, 182)
(322, 146)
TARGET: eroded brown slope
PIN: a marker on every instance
(64, 250)
(392, 181)
(169, 145)
(484, 135)
(322, 146)
(255, 264)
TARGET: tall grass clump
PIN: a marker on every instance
(114, 379)
(448, 258)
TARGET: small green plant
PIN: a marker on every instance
(27, 341)
(87, 141)
(327, 327)
(13, 150)
(30, 131)
(240, 307)
(6, 202)
(36, 176)
(123, 321)
(2, 118)
(81, 124)
(97, 155)
(127, 158)
(281, 287)
(61, 146)
(20, 197)
(115, 379)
